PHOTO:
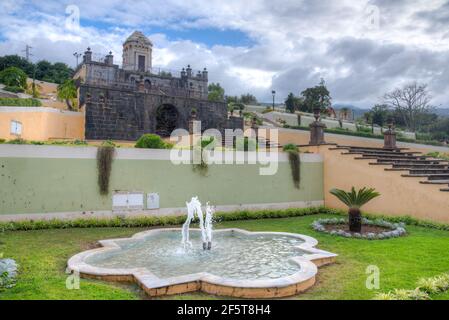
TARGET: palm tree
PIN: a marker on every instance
(67, 91)
(355, 200)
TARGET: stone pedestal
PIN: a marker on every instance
(317, 133)
(390, 139)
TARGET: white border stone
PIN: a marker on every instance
(148, 280)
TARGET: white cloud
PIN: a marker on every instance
(296, 41)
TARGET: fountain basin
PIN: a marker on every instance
(241, 263)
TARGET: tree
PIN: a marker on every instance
(18, 62)
(316, 97)
(379, 114)
(355, 200)
(248, 99)
(67, 92)
(410, 102)
(13, 77)
(440, 129)
(216, 92)
(291, 103)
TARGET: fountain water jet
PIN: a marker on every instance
(194, 207)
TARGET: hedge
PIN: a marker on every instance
(18, 102)
(145, 221)
(367, 135)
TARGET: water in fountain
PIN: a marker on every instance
(208, 225)
(194, 207)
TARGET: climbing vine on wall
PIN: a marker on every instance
(105, 156)
(295, 163)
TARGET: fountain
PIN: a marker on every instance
(242, 264)
(194, 207)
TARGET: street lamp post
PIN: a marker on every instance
(77, 55)
(273, 92)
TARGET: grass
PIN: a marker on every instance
(42, 255)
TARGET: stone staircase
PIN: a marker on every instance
(413, 164)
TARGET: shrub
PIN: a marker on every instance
(17, 141)
(208, 142)
(151, 141)
(14, 89)
(151, 221)
(105, 156)
(434, 285)
(18, 102)
(13, 77)
(2, 141)
(295, 163)
(290, 147)
(402, 294)
(8, 273)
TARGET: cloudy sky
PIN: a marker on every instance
(361, 48)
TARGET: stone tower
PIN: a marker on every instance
(137, 52)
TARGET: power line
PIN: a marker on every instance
(28, 53)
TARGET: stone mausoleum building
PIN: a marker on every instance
(124, 103)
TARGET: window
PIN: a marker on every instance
(16, 127)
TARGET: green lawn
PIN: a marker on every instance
(42, 255)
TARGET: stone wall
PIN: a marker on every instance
(125, 114)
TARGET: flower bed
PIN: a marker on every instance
(376, 229)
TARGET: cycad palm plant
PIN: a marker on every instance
(355, 200)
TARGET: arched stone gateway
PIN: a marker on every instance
(166, 119)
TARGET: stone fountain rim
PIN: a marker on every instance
(148, 281)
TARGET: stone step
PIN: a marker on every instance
(428, 176)
(429, 171)
(370, 148)
(445, 189)
(401, 161)
(435, 182)
(420, 166)
(393, 158)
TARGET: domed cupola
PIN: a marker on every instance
(137, 52)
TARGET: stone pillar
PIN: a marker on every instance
(189, 71)
(317, 133)
(191, 122)
(254, 126)
(87, 56)
(390, 138)
(109, 60)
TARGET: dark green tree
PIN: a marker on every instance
(248, 99)
(380, 114)
(13, 77)
(216, 92)
(18, 62)
(318, 96)
(291, 103)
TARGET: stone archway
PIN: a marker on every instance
(166, 119)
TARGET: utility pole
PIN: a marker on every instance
(28, 53)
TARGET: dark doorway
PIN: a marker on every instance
(166, 120)
(141, 63)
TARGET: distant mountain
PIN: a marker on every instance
(442, 112)
(358, 112)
